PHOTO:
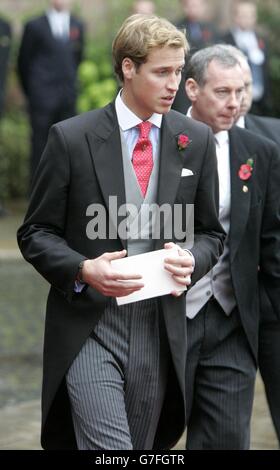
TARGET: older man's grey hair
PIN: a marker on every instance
(198, 64)
(234, 51)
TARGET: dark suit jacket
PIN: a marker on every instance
(209, 36)
(254, 227)
(267, 127)
(47, 66)
(265, 102)
(81, 165)
(5, 45)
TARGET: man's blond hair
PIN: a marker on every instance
(139, 34)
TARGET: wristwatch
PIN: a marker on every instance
(79, 277)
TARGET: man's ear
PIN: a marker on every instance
(128, 68)
(192, 89)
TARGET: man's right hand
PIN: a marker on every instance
(99, 274)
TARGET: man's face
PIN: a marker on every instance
(217, 102)
(246, 16)
(248, 88)
(60, 5)
(195, 10)
(151, 88)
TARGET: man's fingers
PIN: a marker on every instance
(178, 271)
(177, 293)
(183, 280)
(115, 255)
(120, 289)
(179, 261)
(115, 276)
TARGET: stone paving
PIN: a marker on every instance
(21, 319)
(20, 426)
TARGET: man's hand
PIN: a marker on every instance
(181, 267)
(100, 275)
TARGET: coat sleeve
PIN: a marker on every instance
(25, 56)
(41, 236)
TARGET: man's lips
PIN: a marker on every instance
(169, 98)
(232, 116)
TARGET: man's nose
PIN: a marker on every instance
(173, 82)
(234, 100)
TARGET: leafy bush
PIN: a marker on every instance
(14, 156)
(96, 80)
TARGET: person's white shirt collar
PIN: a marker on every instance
(189, 112)
(241, 122)
(127, 119)
(221, 138)
(59, 21)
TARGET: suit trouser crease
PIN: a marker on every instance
(116, 383)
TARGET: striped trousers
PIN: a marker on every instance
(117, 382)
(220, 378)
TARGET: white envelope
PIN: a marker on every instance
(186, 172)
(157, 281)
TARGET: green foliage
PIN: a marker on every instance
(14, 155)
(97, 83)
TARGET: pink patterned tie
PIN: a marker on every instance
(142, 158)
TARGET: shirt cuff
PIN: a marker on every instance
(79, 286)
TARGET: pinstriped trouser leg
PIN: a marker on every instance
(220, 377)
(116, 382)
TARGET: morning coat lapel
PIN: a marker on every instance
(106, 153)
(45, 25)
(171, 164)
(240, 190)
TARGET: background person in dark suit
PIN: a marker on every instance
(5, 45)
(117, 373)
(223, 307)
(50, 52)
(269, 333)
(244, 36)
(200, 33)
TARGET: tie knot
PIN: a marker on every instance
(144, 128)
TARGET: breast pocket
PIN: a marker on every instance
(187, 189)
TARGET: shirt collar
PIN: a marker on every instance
(241, 122)
(127, 119)
(189, 112)
(221, 138)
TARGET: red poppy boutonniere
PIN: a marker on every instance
(183, 141)
(74, 33)
(245, 170)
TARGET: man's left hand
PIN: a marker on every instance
(181, 267)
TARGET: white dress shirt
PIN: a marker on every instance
(59, 23)
(223, 165)
(241, 122)
(128, 121)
